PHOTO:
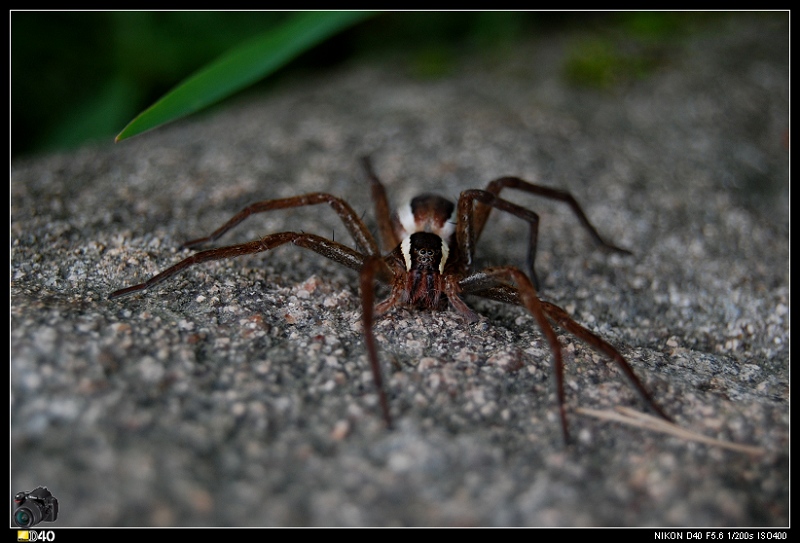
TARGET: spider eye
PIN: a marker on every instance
(423, 250)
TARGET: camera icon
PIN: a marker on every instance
(38, 505)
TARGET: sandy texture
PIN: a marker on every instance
(239, 392)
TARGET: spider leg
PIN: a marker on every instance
(362, 237)
(492, 278)
(483, 207)
(467, 230)
(566, 322)
(500, 293)
(486, 286)
(373, 266)
(482, 211)
(383, 213)
(335, 251)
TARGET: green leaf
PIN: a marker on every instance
(243, 66)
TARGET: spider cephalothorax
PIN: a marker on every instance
(429, 250)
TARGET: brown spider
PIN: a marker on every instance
(430, 245)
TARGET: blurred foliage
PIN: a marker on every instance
(78, 76)
(632, 50)
(82, 76)
(244, 65)
(600, 63)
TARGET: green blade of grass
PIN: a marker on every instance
(243, 66)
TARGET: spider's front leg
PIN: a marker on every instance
(483, 206)
(335, 251)
(495, 278)
(566, 322)
(492, 283)
(374, 267)
(469, 225)
(361, 235)
(330, 249)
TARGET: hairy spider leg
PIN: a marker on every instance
(330, 249)
(493, 283)
(563, 319)
(482, 210)
(477, 285)
(467, 232)
(373, 266)
(526, 293)
(383, 213)
(361, 235)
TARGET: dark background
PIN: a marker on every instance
(78, 76)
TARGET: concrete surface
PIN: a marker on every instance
(239, 393)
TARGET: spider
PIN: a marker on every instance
(429, 249)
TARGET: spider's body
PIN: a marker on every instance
(426, 254)
(428, 263)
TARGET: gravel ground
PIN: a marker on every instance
(239, 392)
